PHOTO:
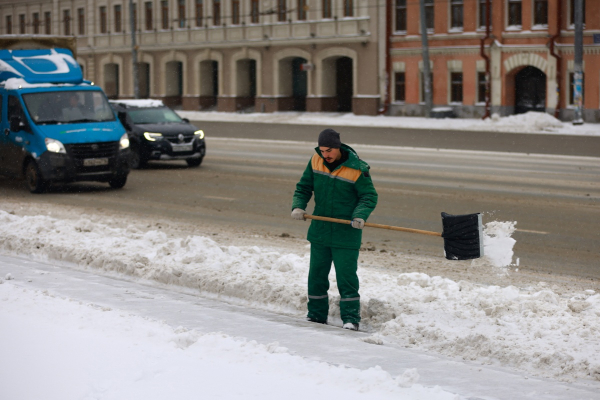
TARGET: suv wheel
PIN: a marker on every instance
(194, 162)
(33, 178)
(118, 181)
(136, 161)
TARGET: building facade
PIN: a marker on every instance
(227, 55)
(530, 50)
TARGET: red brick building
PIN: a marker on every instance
(530, 49)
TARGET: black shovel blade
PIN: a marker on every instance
(463, 236)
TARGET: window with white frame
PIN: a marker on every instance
(456, 14)
(456, 87)
(515, 13)
(540, 13)
(400, 86)
(429, 15)
(401, 15)
(481, 87)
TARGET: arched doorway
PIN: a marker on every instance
(530, 90)
(174, 83)
(144, 80)
(299, 84)
(344, 87)
(209, 83)
(111, 81)
(246, 84)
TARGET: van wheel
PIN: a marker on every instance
(118, 181)
(33, 178)
(194, 162)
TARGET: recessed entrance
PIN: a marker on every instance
(530, 90)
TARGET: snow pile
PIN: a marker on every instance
(498, 243)
(531, 122)
(82, 351)
(528, 122)
(532, 328)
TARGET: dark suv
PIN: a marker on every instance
(157, 133)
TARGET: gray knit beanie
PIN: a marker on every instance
(330, 138)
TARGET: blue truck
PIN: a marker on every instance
(55, 127)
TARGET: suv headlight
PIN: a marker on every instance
(153, 136)
(124, 142)
(199, 134)
(55, 146)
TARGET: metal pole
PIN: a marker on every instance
(578, 73)
(136, 87)
(426, 69)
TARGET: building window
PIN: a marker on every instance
(164, 13)
(423, 85)
(514, 13)
(216, 12)
(401, 15)
(22, 24)
(103, 27)
(483, 13)
(199, 12)
(235, 12)
(348, 8)
(540, 12)
(47, 23)
(254, 12)
(481, 87)
(572, 88)
(9, 24)
(134, 17)
(36, 23)
(400, 78)
(118, 21)
(429, 14)
(456, 14)
(302, 8)
(148, 15)
(326, 4)
(67, 22)
(81, 21)
(456, 87)
(281, 11)
(573, 11)
(181, 14)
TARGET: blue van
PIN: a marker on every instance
(56, 127)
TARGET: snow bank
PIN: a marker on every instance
(63, 350)
(532, 328)
(531, 122)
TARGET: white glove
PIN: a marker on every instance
(358, 223)
(298, 214)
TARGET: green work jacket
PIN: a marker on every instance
(345, 193)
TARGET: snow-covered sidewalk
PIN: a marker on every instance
(539, 329)
(531, 122)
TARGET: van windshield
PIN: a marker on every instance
(67, 107)
(159, 115)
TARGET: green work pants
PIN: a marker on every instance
(346, 264)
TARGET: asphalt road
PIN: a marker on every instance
(249, 183)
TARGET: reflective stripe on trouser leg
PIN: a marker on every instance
(318, 282)
(346, 265)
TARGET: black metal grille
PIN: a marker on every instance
(175, 139)
(93, 150)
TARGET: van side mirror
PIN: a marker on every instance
(17, 125)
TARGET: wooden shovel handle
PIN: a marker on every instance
(393, 228)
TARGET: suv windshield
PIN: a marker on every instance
(153, 115)
(68, 107)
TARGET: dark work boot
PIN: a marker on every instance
(309, 319)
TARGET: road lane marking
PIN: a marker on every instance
(219, 198)
(530, 231)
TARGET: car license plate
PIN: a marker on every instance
(94, 162)
(183, 147)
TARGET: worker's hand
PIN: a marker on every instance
(298, 214)
(358, 223)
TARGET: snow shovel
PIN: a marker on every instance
(463, 234)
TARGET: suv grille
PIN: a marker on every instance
(175, 139)
(92, 150)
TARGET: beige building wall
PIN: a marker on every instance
(226, 64)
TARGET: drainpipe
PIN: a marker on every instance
(488, 91)
(388, 59)
(558, 57)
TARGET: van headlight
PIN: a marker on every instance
(199, 134)
(151, 136)
(54, 146)
(124, 142)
